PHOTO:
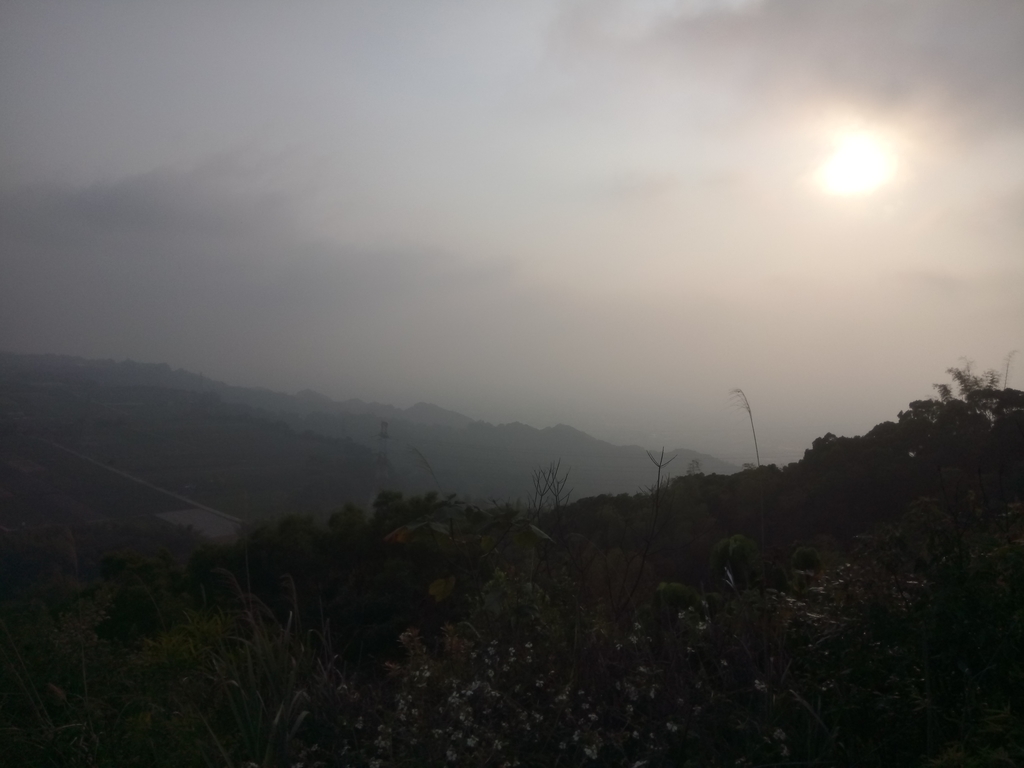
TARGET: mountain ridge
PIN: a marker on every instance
(428, 448)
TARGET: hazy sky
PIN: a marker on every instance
(606, 214)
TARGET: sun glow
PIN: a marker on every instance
(861, 163)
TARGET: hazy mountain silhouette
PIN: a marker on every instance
(428, 447)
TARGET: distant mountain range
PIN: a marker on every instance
(427, 448)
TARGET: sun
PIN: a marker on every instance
(861, 164)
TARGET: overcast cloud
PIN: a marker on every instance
(596, 213)
(961, 58)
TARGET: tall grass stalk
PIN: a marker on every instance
(262, 671)
(740, 401)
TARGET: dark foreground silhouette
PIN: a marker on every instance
(878, 622)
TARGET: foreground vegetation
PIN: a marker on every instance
(881, 624)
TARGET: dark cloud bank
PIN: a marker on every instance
(167, 266)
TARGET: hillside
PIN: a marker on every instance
(429, 448)
(73, 452)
